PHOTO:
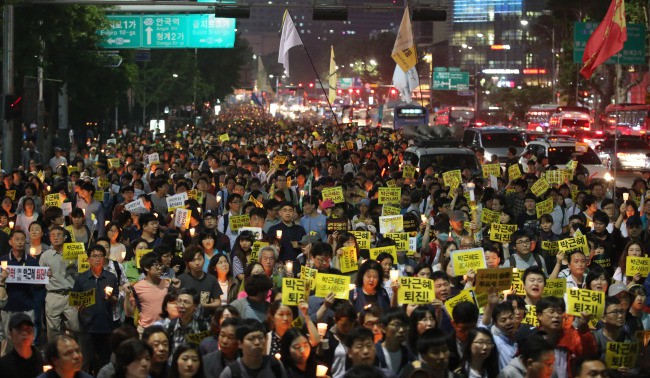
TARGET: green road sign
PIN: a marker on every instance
(174, 31)
(450, 79)
(633, 51)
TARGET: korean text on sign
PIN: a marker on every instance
(392, 223)
(452, 179)
(517, 282)
(502, 232)
(491, 169)
(488, 216)
(401, 239)
(72, 250)
(464, 296)
(571, 244)
(465, 260)
(555, 288)
(255, 250)
(389, 195)
(348, 260)
(415, 290)
(624, 354)
(634, 265)
(182, 217)
(239, 221)
(540, 187)
(582, 300)
(332, 283)
(363, 238)
(335, 194)
(293, 291)
(85, 299)
(309, 275)
(500, 279)
(177, 200)
(27, 274)
(391, 250)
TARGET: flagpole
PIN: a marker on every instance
(320, 81)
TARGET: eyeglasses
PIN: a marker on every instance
(370, 324)
(399, 325)
(617, 312)
(323, 260)
(522, 242)
(158, 266)
(553, 312)
(95, 256)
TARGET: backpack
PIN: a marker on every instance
(276, 368)
(538, 260)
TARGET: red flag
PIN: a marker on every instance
(608, 39)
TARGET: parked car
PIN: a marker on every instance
(630, 153)
(560, 150)
(495, 140)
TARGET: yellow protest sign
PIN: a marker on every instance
(390, 210)
(408, 171)
(491, 169)
(332, 283)
(82, 263)
(99, 196)
(540, 187)
(85, 299)
(502, 232)
(279, 160)
(113, 163)
(391, 183)
(499, 279)
(224, 138)
(309, 275)
(551, 246)
(452, 179)
(623, 354)
(255, 250)
(196, 338)
(583, 300)
(488, 216)
(72, 250)
(463, 296)
(363, 238)
(293, 291)
(103, 183)
(138, 255)
(349, 145)
(554, 288)
(531, 316)
(570, 244)
(391, 249)
(400, 238)
(415, 290)
(391, 223)
(634, 265)
(11, 194)
(514, 172)
(182, 217)
(238, 221)
(468, 259)
(335, 194)
(348, 260)
(331, 147)
(389, 195)
(53, 200)
(544, 207)
(517, 282)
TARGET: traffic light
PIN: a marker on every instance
(13, 106)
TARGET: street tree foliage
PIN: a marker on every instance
(515, 102)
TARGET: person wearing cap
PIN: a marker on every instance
(306, 244)
(24, 360)
(456, 221)
(313, 221)
(58, 159)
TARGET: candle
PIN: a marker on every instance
(278, 234)
(106, 223)
(423, 217)
(46, 368)
(394, 274)
(48, 189)
(32, 251)
(626, 196)
(218, 199)
(289, 266)
(278, 356)
(321, 370)
(353, 286)
(11, 224)
(123, 255)
(84, 211)
(470, 187)
(108, 290)
(192, 231)
(199, 210)
(322, 329)
(4, 265)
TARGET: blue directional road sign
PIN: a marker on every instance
(170, 31)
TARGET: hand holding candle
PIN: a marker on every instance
(289, 265)
(278, 234)
(470, 187)
(322, 329)
(108, 290)
(626, 196)
(192, 232)
(4, 265)
(394, 275)
(11, 224)
(321, 370)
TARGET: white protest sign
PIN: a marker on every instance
(35, 275)
(182, 217)
(67, 208)
(257, 231)
(135, 207)
(177, 200)
(153, 158)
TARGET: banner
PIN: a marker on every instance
(452, 179)
(53, 200)
(153, 158)
(577, 243)
(363, 239)
(256, 231)
(634, 265)
(468, 259)
(309, 275)
(335, 194)
(392, 223)
(500, 279)
(82, 263)
(72, 250)
(332, 283)
(177, 200)
(551, 246)
(138, 255)
(502, 232)
(182, 217)
(35, 275)
(415, 290)
(582, 300)
(544, 207)
(85, 299)
(238, 221)
(401, 240)
(224, 138)
(374, 252)
(348, 260)
(517, 282)
(408, 171)
(389, 195)
(531, 316)
(293, 291)
(113, 163)
(540, 187)
(463, 296)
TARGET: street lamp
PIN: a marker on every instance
(551, 31)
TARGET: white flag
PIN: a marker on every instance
(333, 78)
(263, 84)
(404, 52)
(406, 82)
(290, 38)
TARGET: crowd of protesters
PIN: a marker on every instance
(204, 298)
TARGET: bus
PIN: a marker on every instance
(538, 117)
(627, 119)
(569, 119)
(455, 116)
(410, 115)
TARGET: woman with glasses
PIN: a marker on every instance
(480, 356)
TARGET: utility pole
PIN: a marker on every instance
(9, 146)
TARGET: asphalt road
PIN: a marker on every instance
(624, 179)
